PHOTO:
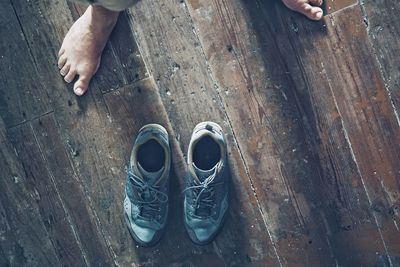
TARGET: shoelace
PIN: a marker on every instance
(149, 208)
(207, 186)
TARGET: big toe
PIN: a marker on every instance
(312, 12)
(81, 85)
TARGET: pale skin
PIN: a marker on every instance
(81, 50)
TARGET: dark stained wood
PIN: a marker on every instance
(53, 213)
(285, 173)
(190, 96)
(73, 193)
(21, 97)
(384, 29)
(24, 240)
(127, 52)
(233, 56)
(331, 6)
(74, 120)
(68, 115)
(306, 106)
(339, 84)
(132, 107)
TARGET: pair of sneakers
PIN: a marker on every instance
(206, 187)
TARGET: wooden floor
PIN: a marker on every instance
(310, 110)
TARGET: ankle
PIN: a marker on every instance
(102, 17)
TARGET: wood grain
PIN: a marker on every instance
(190, 96)
(310, 110)
(267, 126)
(331, 6)
(24, 240)
(241, 44)
(384, 29)
(73, 192)
(61, 230)
(340, 86)
(21, 96)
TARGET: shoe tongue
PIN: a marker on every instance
(203, 174)
(150, 177)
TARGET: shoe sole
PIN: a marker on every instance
(154, 242)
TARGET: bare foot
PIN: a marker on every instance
(83, 45)
(311, 8)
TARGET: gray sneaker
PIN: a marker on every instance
(207, 183)
(147, 185)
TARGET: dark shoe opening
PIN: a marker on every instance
(151, 156)
(206, 153)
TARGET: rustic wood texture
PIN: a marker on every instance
(18, 102)
(384, 28)
(23, 236)
(189, 95)
(310, 110)
(331, 6)
(314, 65)
(278, 158)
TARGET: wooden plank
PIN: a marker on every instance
(331, 6)
(175, 58)
(73, 194)
(3, 258)
(127, 52)
(53, 27)
(56, 219)
(94, 145)
(86, 129)
(384, 30)
(240, 48)
(335, 63)
(24, 240)
(175, 247)
(21, 98)
(130, 108)
(235, 51)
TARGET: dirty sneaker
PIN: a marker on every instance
(147, 185)
(207, 183)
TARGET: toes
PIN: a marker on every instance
(70, 76)
(65, 69)
(316, 2)
(62, 50)
(81, 86)
(312, 12)
(61, 61)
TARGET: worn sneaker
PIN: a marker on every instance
(207, 183)
(147, 185)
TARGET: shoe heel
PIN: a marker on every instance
(154, 126)
(204, 124)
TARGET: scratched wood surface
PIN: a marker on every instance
(310, 110)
